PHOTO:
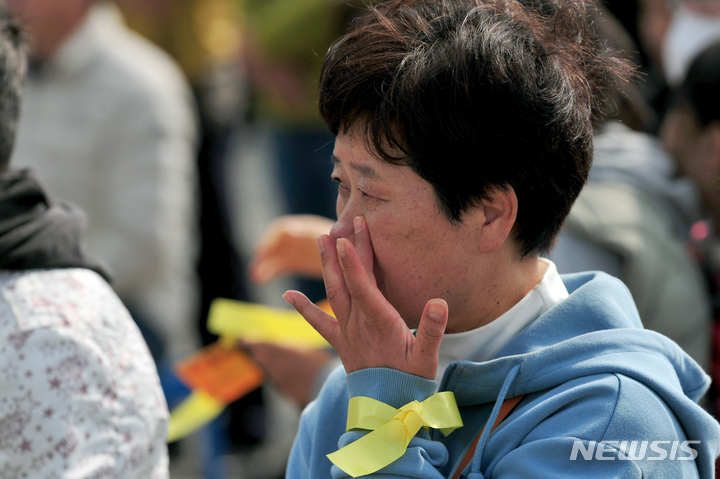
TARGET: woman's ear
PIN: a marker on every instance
(494, 219)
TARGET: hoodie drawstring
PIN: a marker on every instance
(477, 458)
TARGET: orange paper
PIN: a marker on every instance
(223, 372)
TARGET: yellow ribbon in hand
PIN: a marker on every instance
(392, 429)
(256, 322)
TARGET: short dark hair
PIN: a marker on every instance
(477, 95)
(701, 87)
(13, 64)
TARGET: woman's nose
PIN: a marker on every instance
(343, 227)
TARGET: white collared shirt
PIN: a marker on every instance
(483, 343)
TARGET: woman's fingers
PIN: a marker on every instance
(335, 289)
(363, 245)
(323, 323)
(429, 335)
(361, 287)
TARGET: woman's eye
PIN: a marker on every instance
(341, 186)
(344, 190)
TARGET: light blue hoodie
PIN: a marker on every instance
(589, 373)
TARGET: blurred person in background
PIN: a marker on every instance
(285, 42)
(633, 218)
(79, 393)
(691, 132)
(109, 121)
(692, 26)
(205, 38)
(671, 33)
(284, 47)
(646, 22)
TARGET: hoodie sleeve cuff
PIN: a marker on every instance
(390, 386)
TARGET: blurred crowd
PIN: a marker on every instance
(131, 110)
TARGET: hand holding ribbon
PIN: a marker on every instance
(392, 429)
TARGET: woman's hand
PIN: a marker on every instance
(288, 246)
(368, 331)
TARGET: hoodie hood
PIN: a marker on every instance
(595, 331)
(38, 232)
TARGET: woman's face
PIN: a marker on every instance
(419, 254)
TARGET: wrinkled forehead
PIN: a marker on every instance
(372, 143)
(353, 151)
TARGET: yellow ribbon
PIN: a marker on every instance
(197, 410)
(392, 429)
(255, 322)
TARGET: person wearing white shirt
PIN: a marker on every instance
(109, 122)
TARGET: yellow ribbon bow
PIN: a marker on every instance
(392, 429)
